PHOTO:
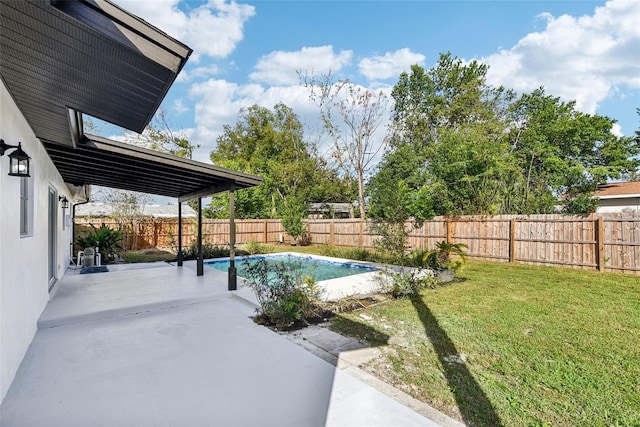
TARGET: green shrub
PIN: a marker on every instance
(415, 258)
(357, 254)
(147, 255)
(391, 243)
(103, 238)
(285, 294)
(440, 257)
(208, 251)
(255, 248)
(292, 212)
(405, 283)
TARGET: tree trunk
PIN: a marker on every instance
(361, 194)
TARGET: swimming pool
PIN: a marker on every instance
(321, 269)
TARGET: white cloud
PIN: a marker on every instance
(217, 103)
(213, 29)
(197, 73)
(586, 59)
(179, 107)
(280, 67)
(616, 129)
(389, 65)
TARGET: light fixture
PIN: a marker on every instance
(64, 202)
(18, 160)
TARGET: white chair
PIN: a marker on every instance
(97, 258)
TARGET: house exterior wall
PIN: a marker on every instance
(617, 205)
(24, 273)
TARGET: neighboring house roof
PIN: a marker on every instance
(97, 209)
(618, 190)
(335, 207)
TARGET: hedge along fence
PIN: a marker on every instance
(607, 243)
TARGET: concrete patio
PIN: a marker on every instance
(154, 344)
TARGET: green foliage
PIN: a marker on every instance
(461, 146)
(286, 295)
(270, 143)
(358, 254)
(254, 248)
(580, 204)
(208, 251)
(392, 241)
(440, 257)
(292, 214)
(147, 255)
(415, 258)
(103, 238)
(405, 282)
(563, 152)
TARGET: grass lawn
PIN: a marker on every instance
(515, 345)
(147, 255)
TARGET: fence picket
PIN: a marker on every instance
(603, 242)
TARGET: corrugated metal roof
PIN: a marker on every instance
(101, 161)
(89, 56)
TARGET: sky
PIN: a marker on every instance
(249, 52)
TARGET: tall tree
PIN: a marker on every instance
(270, 143)
(351, 115)
(635, 175)
(447, 142)
(461, 146)
(564, 154)
(159, 136)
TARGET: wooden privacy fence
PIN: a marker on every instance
(608, 242)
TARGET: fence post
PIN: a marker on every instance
(599, 238)
(512, 240)
(134, 230)
(361, 237)
(449, 230)
(331, 230)
(155, 234)
(266, 231)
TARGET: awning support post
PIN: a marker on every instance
(233, 279)
(200, 268)
(180, 254)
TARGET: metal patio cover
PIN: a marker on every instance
(62, 58)
(109, 163)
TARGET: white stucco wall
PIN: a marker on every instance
(627, 204)
(23, 260)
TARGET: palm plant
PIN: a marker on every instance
(103, 238)
(440, 257)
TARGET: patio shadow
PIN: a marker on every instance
(474, 405)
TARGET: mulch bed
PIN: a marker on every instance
(327, 310)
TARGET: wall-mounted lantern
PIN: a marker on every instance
(18, 160)
(63, 202)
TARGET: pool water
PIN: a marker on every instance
(318, 268)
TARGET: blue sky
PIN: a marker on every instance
(248, 52)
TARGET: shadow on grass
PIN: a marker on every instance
(474, 406)
(346, 326)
